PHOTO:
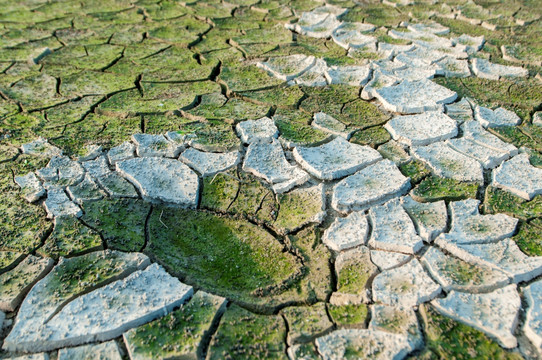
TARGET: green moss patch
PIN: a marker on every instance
(415, 170)
(353, 315)
(500, 201)
(434, 188)
(229, 256)
(121, 222)
(242, 334)
(528, 237)
(306, 322)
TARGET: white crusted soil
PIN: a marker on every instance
(348, 232)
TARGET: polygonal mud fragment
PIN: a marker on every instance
(15, 283)
(61, 171)
(254, 130)
(155, 145)
(455, 274)
(478, 311)
(207, 163)
(178, 334)
(97, 167)
(306, 322)
(266, 159)
(386, 260)
(471, 44)
(537, 118)
(495, 118)
(430, 219)
(395, 152)
(452, 67)
(407, 285)
(31, 187)
(411, 97)
(533, 322)
(85, 190)
(91, 152)
(460, 111)
(469, 227)
(351, 35)
(116, 186)
(379, 80)
(124, 151)
(487, 70)
(335, 159)
(35, 327)
(288, 67)
(432, 27)
(317, 26)
(314, 76)
(58, 204)
(354, 269)
(473, 131)
(392, 229)
(162, 179)
(348, 75)
(488, 157)
(241, 333)
(348, 232)
(300, 207)
(330, 125)
(448, 163)
(422, 129)
(374, 184)
(519, 177)
(504, 255)
(107, 350)
(362, 343)
(41, 147)
(400, 321)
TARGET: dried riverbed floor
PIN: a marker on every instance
(270, 179)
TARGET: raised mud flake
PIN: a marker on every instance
(41, 147)
(335, 159)
(495, 118)
(399, 321)
(385, 260)
(64, 284)
(353, 270)
(254, 130)
(487, 70)
(504, 255)
(300, 207)
(478, 311)
(519, 177)
(61, 171)
(348, 232)
(305, 351)
(124, 151)
(422, 129)
(430, 219)
(120, 222)
(108, 350)
(411, 97)
(314, 76)
(231, 257)
(242, 334)
(31, 188)
(160, 179)
(208, 163)
(448, 163)
(116, 186)
(85, 190)
(58, 204)
(362, 343)
(15, 283)
(266, 159)
(533, 323)
(306, 322)
(461, 111)
(455, 274)
(288, 67)
(155, 145)
(352, 35)
(374, 184)
(487, 156)
(329, 124)
(407, 285)
(349, 75)
(469, 227)
(179, 333)
(393, 229)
